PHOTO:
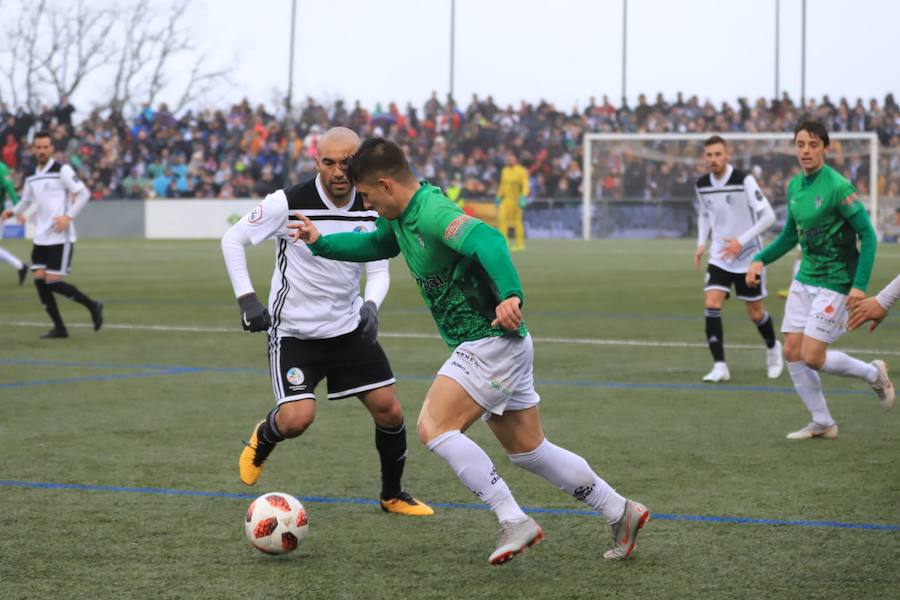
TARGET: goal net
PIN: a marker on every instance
(642, 185)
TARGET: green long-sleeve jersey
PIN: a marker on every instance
(825, 216)
(461, 265)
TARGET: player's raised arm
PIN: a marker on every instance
(356, 246)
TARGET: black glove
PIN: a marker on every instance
(254, 316)
(368, 320)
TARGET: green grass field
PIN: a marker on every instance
(160, 400)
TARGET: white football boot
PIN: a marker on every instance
(512, 539)
(774, 361)
(719, 373)
(883, 386)
(814, 430)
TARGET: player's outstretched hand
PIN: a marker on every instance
(254, 316)
(754, 273)
(867, 310)
(368, 319)
(509, 314)
(303, 229)
(698, 256)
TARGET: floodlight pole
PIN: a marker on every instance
(287, 167)
(624, 49)
(777, 46)
(803, 60)
(452, 43)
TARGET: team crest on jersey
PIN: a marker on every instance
(255, 214)
(294, 376)
(818, 202)
(758, 195)
(421, 241)
(728, 199)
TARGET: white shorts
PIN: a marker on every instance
(496, 371)
(815, 311)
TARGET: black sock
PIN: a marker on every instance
(71, 292)
(714, 334)
(391, 446)
(767, 330)
(49, 302)
(268, 433)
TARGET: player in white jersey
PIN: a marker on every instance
(58, 196)
(735, 212)
(320, 327)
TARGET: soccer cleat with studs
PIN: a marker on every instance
(625, 530)
(404, 504)
(883, 386)
(254, 454)
(512, 539)
(814, 430)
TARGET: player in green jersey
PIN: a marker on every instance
(825, 216)
(7, 189)
(466, 277)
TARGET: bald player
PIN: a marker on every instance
(318, 324)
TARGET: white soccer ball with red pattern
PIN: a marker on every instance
(276, 523)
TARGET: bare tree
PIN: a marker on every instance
(56, 46)
(147, 61)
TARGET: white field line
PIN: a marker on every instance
(434, 336)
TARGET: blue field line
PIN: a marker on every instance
(159, 370)
(447, 505)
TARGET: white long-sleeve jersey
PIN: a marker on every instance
(732, 207)
(310, 297)
(55, 190)
(889, 295)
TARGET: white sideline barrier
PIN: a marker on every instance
(192, 219)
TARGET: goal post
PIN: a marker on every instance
(615, 163)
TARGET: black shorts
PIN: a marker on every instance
(720, 279)
(55, 259)
(350, 364)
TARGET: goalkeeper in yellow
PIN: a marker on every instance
(512, 195)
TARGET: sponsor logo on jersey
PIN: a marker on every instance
(255, 214)
(829, 309)
(429, 283)
(359, 229)
(455, 225)
(728, 199)
(294, 376)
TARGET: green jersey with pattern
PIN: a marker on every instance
(820, 206)
(432, 233)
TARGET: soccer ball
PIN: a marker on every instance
(276, 523)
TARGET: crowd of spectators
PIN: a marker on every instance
(243, 151)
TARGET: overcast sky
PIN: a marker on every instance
(561, 50)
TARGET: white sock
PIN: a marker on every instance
(10, 259)
(475, 469)
(809, 387)
(839, 363)
(572, 474)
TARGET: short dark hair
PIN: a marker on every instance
(815, 129)
(715, 139)
(379, 156)
(44, 134)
